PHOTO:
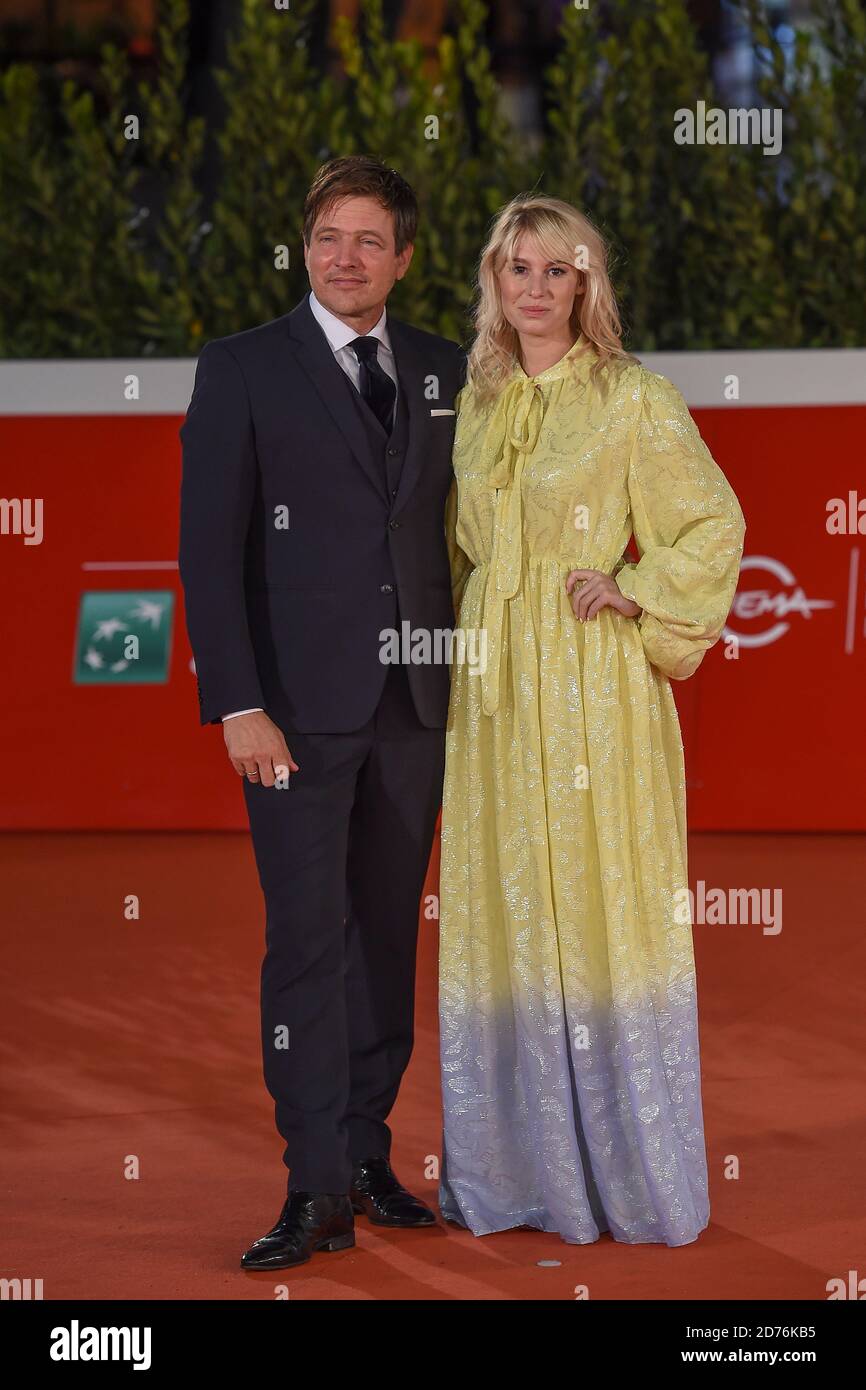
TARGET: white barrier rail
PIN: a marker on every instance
(826, 376)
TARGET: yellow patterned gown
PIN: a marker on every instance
(569, 1037)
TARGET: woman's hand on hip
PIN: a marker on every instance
(597, 591)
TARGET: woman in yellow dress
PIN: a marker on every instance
(569, 1037)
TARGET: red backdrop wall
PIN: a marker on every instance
(774, 739)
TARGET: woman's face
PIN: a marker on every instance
(537, 294)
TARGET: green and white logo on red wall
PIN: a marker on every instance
(124, 637)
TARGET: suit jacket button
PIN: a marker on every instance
(395, 525)
(386, 589)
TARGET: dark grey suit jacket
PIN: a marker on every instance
(290, 619)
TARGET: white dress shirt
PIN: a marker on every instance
(339, 336)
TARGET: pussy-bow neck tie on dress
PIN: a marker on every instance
(522, 407)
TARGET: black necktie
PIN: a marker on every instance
(375, 385)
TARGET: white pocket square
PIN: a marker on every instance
(443, 412)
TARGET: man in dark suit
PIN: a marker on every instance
(316, 466)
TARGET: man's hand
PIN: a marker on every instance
(257, 749)
(596, 592)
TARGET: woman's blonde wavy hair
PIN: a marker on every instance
(559, 231)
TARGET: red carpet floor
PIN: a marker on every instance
(136, 1043)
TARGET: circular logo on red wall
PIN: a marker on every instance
(766, 600)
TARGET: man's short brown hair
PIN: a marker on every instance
(361, 176)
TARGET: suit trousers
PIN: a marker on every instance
(342, 854)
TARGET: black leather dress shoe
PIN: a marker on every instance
(309, 1221)
(376, 1191)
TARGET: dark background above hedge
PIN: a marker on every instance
(149, 246)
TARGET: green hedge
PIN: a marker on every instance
(715, 246)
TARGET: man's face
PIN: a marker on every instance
(351, 260)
